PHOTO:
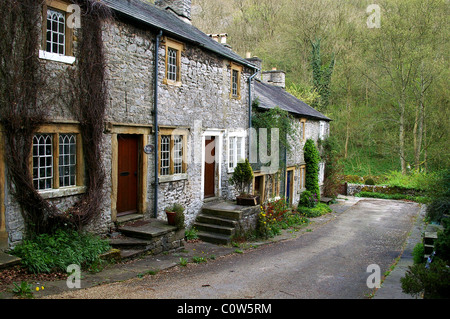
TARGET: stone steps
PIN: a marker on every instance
(217, 222)
(214, 238)
(138, 237)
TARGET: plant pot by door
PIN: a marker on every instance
(251, 200)
(171, 218)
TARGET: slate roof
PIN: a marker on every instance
(270, 96)
(152, 16)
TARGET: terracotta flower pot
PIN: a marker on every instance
(171, 218)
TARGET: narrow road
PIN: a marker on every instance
(330, 262)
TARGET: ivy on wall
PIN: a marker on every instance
(23, 107)
(312, 159)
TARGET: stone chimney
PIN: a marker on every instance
(255, 61)
(221, 38)
(182, 8)
(275, 77)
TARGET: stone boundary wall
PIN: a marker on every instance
(353, 189)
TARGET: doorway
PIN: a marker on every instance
(128, 174)
(210, 167)
(289, 185)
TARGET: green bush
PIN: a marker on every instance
(319, 210)
(47, 253)
(418, 253)
(433, 279)
(307, 199)
(433, 282)
(442, 243)
(312, 159)
(369, 181)
(242, 176)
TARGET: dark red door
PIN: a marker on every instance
(210, 167)
(127, 189)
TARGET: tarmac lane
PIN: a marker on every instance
(330, 262)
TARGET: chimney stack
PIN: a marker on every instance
(182, 8)
(275, 77)
(255, 61)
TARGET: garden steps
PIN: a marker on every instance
(217, 221)
(139, 236)
(214, 238)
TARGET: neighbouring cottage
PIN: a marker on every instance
(269, 91)
(176, 113)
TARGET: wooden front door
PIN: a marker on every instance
(210, 167)
(127, 188)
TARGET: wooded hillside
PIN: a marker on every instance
(388, 95)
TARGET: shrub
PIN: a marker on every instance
(418, 253)
(442, 243)
(47, 253)
(369, 181)
(242, 176)
(319, 210)
(312, 158)
(307, 199)
(433, 282)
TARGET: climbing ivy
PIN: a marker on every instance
(275, 118)
(312, 159)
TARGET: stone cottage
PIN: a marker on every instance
(178, 105)
(270, 91)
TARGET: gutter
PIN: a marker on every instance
(250, 111)
(155, 114)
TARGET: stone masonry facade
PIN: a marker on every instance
(199, 105)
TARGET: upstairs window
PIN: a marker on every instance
(173, 62)
(235, 89)
(56, 32)
(57, 36)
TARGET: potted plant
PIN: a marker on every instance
(175, 215)
(241, 178)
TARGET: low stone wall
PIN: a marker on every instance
(249, 220)
(166, 243)
(353, 189)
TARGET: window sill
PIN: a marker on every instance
(172, 83)
(56, 57)
(173, 178)
(62, 192)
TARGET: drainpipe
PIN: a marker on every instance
(250, 111)
(155, 111)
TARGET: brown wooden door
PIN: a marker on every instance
(127, 188)
(210, 167)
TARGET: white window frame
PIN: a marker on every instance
(322, 130)
(67, 57)
(232, 145)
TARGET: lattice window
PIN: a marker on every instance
(165, 155)
(43, 161)
(235, 83)
(232, 142)
(56, 32)
(172, 68)
(239, 149)
(178, 154)
(67, 160)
